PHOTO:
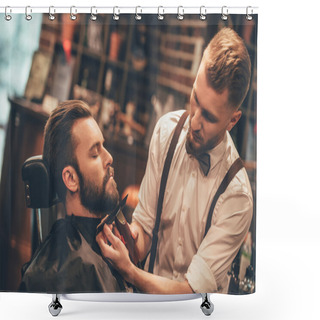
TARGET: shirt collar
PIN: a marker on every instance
(218, 151)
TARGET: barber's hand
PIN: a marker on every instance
(116, 252)
(115, 230)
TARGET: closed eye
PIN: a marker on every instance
(95, 150)
(208, 116)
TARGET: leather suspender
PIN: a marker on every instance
(233, 170)
(163, 184)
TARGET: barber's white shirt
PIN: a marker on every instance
(182, 251)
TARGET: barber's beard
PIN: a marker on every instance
(97, 200)
(192, 148)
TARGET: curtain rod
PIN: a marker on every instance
(129, 10)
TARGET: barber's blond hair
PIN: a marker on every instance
(228, 65)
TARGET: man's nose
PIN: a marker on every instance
(196, 121)
(108, 158)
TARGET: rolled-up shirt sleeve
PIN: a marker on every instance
(230, 224)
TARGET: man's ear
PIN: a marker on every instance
(70, 178)
(235, 117)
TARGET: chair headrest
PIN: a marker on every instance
(38, 187)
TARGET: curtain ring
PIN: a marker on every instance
(93, 16)
(73, 15)
(249, 15)
(224, 13)
(160, 15)
(6, 14)
(52, 10)
(180, 13)
(138, 15)
(28, 15)
(203, 13)
(116, 14)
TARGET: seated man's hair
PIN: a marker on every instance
(59, 146)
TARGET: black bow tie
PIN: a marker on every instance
(204, 162)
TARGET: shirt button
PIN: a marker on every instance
(180, 241)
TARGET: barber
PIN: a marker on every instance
(195, 248)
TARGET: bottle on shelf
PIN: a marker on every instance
(234, 279)
(245, 255)
(115, 44)
(247, 286)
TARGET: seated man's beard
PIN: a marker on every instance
(97, 200)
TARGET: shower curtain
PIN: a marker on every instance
(137, 73)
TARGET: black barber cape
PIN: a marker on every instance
(69, 261)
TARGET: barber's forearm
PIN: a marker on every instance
(114, 249)
(150, 283)
(143, 242)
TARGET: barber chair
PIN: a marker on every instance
(39, 194)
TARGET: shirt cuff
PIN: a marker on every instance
(200, 276)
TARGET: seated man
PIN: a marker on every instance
(69, 260)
